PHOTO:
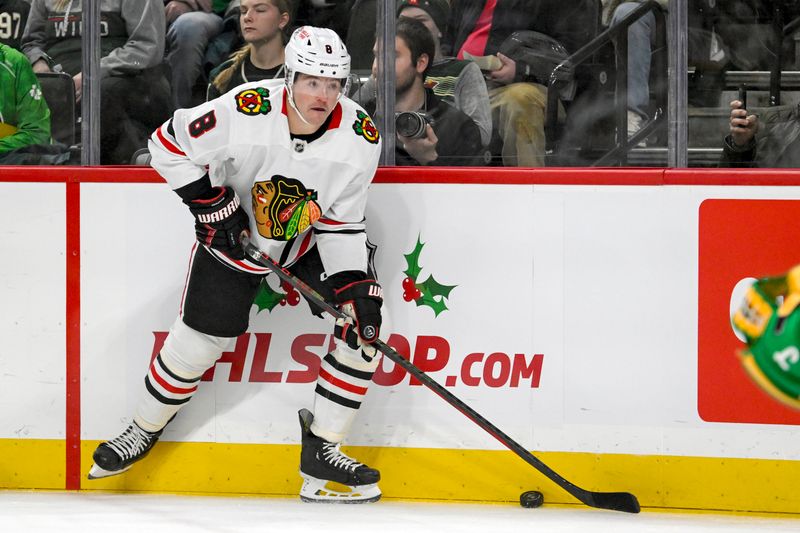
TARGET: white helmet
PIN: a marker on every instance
(317, 52)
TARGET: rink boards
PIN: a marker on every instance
(585, 313)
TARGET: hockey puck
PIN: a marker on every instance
(531, 498)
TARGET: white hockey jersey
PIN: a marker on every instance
(296, 193)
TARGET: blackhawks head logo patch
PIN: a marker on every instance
(283, 207)
(364, 127)
(253, 101)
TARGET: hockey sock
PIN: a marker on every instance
(344, 378)
(175, 373)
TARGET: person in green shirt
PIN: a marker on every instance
(24, 115)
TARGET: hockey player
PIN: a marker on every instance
(768, 320)
(288, 163)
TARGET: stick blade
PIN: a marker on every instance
(614, 501)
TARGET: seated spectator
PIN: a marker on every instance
(333, 14)
(707, 53)
(134, 93)
(641, 39)
(13, 17)
(24, 116)
(191, 25)
(778, 143)
(518, 105)
(263, 24)
(457, 82)
(450, 137)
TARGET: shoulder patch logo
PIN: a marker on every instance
(253, 102)
(364, 127)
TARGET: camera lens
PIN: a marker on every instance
(410, 124)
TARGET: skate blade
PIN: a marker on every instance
(323, 491)
(98, 473)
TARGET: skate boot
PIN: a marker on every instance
(321, 463)
(118, 455)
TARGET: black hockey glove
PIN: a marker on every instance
(220, 221)
(360, 298)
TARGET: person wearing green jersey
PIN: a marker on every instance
(769, 322)
(24, 115)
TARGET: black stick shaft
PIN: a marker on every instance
(616, 501)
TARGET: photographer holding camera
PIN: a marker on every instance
(429, 130)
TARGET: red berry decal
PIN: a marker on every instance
(293, 298)
(408, 284)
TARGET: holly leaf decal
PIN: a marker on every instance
(428, 293)
(412, 260)
(267, 298)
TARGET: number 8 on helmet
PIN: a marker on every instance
(316, 52)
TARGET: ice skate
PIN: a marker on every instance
(322, 464)
(118, 455)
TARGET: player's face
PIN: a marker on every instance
(261, 20)
(315, 97)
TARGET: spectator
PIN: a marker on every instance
(778, 143)
(641, 39)
(333, 14)
(191, 25)
(263, 24)
(133, 90)
(450, 137)
(518, 109)
(24, 116)
(457, 82)
(13, 16)
(707, 53)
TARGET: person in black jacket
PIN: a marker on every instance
(450, 137)
(481, 28)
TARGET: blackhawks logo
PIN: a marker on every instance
(283, 208)
(253, 101)
(430, 292)
(364, 127)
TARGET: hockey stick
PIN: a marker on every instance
(615, 501)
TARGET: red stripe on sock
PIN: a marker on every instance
(333, 380)
(168, 386)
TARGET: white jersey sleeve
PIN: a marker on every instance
(183, 147)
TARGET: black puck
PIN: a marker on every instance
(531, 498)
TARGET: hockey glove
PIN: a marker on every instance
(360, 298)
(220, 221)
(346, 331)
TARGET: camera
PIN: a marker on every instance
(411, 124)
